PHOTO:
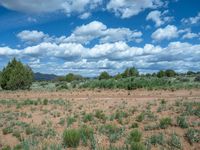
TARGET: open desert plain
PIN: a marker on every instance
(99, 74)
(100, 119)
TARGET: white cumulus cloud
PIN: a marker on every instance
(169, 32)
(129, 8)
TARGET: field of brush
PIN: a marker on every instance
(100, 120)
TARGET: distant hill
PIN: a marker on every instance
(44, 77)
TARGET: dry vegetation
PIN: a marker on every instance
(98, 119)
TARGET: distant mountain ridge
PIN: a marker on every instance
(44, 77)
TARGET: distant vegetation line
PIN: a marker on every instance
(18, 76)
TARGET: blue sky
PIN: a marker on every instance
(90, 36)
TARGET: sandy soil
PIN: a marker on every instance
(90, 100)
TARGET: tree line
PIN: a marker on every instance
(19, 76)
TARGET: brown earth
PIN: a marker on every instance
(88, 101)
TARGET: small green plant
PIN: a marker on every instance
(71, 138)
(7, 130)
(134, 125)
(70, 121)
(100, 115)
(87, 117)
(137, 146)
(193, 136)
(62, 121)
(165, 122)
(6, 148)
(119, 115)
(151, 127)
(140, 117)
(17, 134)
(182, 122)
(45, 101)
(135, 136)
(175, 141)
(112, 131)
(157, 139)
(86, 134)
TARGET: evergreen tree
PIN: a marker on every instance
(104, 75)
(16, 76)
(130, 72)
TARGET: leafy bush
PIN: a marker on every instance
(16, 76)
(165, 122)
(71, 137)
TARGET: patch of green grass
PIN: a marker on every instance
(86, 133)
(88, 117)
(62, 121)
(17, 134)
(6, 148)
(135, 136)
(137, 146)
(100, 115)
(156, 139)
(7, 130)
(134, 125)
(182, 122)
(151, 127)
(193, 136)
(140, 117)
(45, 102)
(71, 138)
(165, 122)
(119, 115)
(175, 141)
(112, 131)
(70, 121)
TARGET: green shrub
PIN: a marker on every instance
(165, 122)
(193, 136)
(104, 75)
(135, 136)
(45, 101)
(16, 76)
(182, 122)
(71, 137)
